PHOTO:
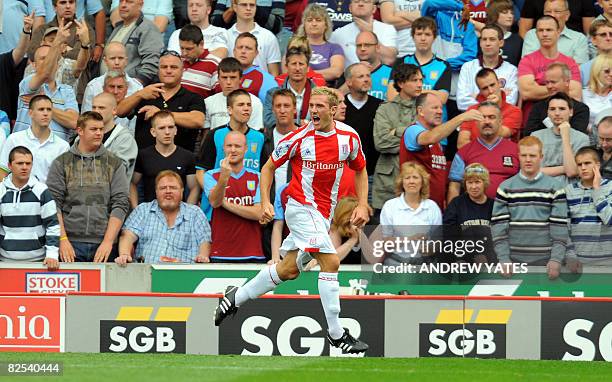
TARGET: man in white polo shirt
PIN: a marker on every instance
(363, 20)
(269, 56)
(215, 38)
(38, 138)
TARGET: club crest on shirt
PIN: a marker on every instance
(507, 161)
(251, 185)
(345, 148)
(254, 148)
(247, 83)
(502, 82)
(433, 74)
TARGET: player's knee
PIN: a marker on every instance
(329, 263)
(290, 272)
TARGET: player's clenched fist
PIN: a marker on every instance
(267, 213)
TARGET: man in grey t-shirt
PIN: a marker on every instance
(560, 140)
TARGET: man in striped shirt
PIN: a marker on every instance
(529, 221)
(199, 65)
(590, 210)
(28, 215)
(317, 152)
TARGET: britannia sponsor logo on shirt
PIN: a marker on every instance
(322, 166)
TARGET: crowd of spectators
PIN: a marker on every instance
(135, 130)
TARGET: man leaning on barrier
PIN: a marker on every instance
(28, 215)
(166, 229)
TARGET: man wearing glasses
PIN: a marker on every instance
(604, 142)
(268, 57)
(601, 37)
(187, 108)
(571, 43)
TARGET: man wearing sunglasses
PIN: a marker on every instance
(601, 38)
(187, 108)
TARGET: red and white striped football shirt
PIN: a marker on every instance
(317, 160)
(201, 77)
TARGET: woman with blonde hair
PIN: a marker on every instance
(327, 58)
(469, 214)
(597, 95)
(412, 214)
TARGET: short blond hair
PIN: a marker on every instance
(531, 141)
(405, 168)
(332, 97)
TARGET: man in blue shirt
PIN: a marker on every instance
(167, 229)
(211, 153)
(437, 73)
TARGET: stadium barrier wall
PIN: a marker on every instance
(394, 326)
(353, 279)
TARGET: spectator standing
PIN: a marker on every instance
(90, 187)
(538, 202)
(391, 120)
(39, 139)
(187, 108)
(233, 193)
(199, 65)
(215, 38)
(269, 57)
(166, 229)
(28, 215)
(164, 155)
(142, 40)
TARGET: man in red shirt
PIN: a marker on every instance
(199, 66)
(233, 192)
(532, 67)
(317, 153)
(490, 90)
(497, 154)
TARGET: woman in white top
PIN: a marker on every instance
(597, 95)
(411, 214)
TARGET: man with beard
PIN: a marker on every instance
(166, 229)
(498, 155)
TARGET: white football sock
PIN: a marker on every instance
(329, 290)
(266, 280)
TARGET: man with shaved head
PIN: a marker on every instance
(232, 190)
(117, 138)
(115, 60)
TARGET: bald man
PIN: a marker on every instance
(231, 196)
(115, 60)
(117, 138)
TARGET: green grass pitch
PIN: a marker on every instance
(80, 367)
